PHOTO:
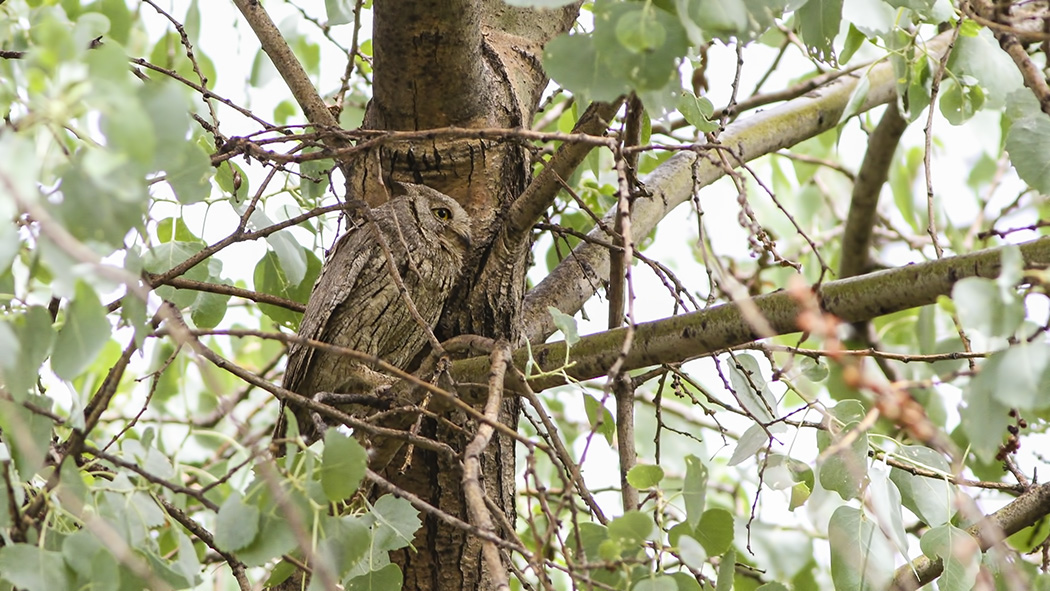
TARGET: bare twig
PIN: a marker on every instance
(473, 489)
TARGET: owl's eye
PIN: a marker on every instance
(442, 213)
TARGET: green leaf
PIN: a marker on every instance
(388, 577)
(931, 499)
(395, 522)
(885, 503)
(108, 67)
(755, 438)
(980, 56)
(692, 553)
(81, 338)
(92, 563)
(726, 572)
(279, 539)
(1028, 140)
(573, 62)
(639, 30)
(232, 179)
(652, 69)
(694, 490)
(102, 197)
(1020, 376)
(270, 278)
(30, 434)
(633, 528)
(209, 309)
(947, 367)
(983, 418)
(346, 542)
(33, 569)
(818, 23)
(170, 53)
(24, 345)
(189, 174)
(902, 177)
(982, 307)
(715, 531)
(813, 370)
(847, 411)
(854, 39)
(187, 565)
(645, 476)
(959, 102)
(280, 573)
(164, 257)
(751, 388)
(720, 18)
(174, 229)
(845, 470)
(129, 131)
(697, 111)
(784, 472)
(861, 557)
(237, 524)
(656, 583)
(340, 12)
(9, 350)
(192, 22)
(587, 537)
(856, 98)
(600, 418)
(343, 465)
(120, 19)
(799, 495)
(960, 553)
(315, 177)
(166, 107)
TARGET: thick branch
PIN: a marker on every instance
(688, 336)
(539, 195)
(1022, 512)
(863, 207)
(575, 280)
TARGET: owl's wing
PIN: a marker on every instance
(335, 284)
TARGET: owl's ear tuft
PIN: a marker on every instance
(397, 189)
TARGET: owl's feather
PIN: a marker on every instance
(356, 303)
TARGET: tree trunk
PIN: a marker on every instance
(463, 64)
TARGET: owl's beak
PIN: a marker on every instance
(464, 239)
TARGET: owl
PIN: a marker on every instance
(356, 303)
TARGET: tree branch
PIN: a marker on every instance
(573, 281)
(863, 207)
(291, 70)
(688, 336)
(231, 290)
(473, 488)
(540, 193)
(1022, 512)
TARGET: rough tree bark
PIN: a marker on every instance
(465, 64)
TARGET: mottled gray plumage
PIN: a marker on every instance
(356, 304)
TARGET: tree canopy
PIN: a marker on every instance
(756, 294)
